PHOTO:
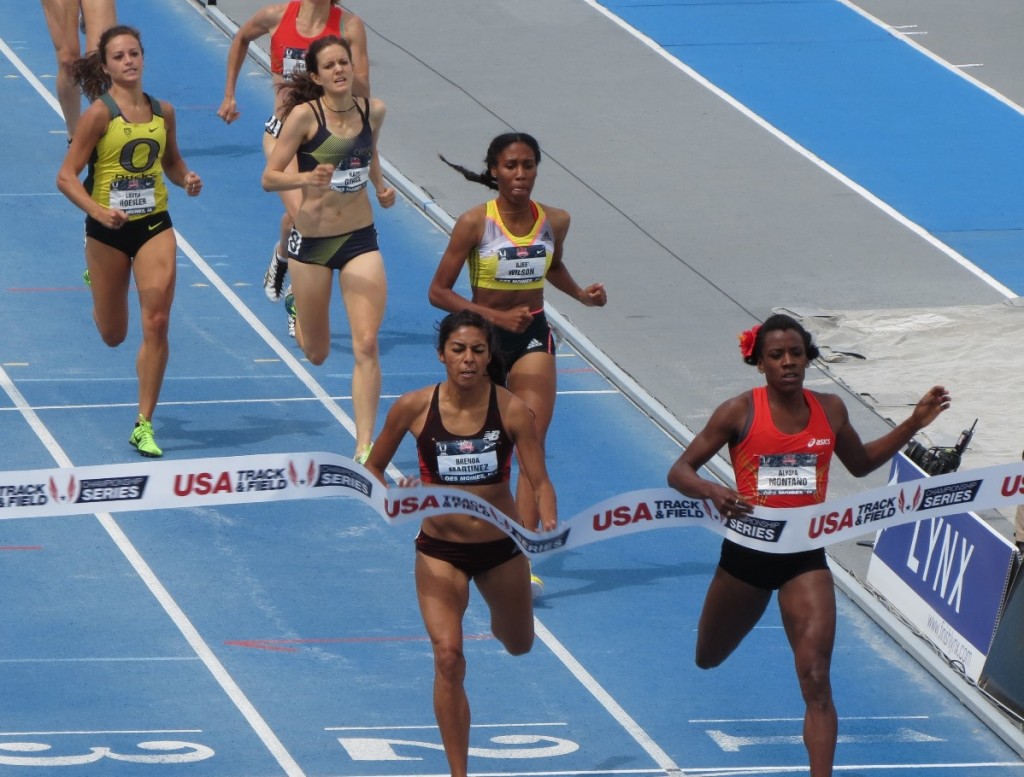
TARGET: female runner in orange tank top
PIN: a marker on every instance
(783, 419)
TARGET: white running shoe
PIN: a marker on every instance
(273, 279)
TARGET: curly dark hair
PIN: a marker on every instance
(301, 88)
(776, 323)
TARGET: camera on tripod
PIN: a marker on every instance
(937, 460)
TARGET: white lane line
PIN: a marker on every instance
(29, 76)
(810, 156)
(898, 32)
(433, 727)
(142, 569)
(282, 352)
(252, 401)
(101, 731)
(553, 773)
(735, 771)
(87, 660)
(798, 720)
(174, 612)
(605, 699)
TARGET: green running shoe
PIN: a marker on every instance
(289, 306)
(86, 278)
(536, 586)
(364, 454)
(142, 438)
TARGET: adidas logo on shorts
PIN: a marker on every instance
(534, 343)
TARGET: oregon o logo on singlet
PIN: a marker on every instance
(125, 171)
(127, 158)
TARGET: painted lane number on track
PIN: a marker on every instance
(514, 746)
(162, 752)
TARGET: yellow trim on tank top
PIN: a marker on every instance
(483, 269)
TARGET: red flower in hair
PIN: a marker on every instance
(747, 340)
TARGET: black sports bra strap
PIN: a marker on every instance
(365, 116)
(492, 406)
(318, 111)
(434, 400)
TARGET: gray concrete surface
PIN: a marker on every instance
(981, 38)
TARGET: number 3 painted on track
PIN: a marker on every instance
(165, 756)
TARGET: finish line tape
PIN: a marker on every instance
(260, 478)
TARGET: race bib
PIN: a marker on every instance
(466, 461)
(348, 181)
(135, 196)
(273, 127)
(292, 61)
(787, 473)
(521, 264)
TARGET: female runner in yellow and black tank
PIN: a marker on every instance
(129, 142)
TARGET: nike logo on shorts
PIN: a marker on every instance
(151, 227)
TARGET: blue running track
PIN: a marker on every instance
(285, 639)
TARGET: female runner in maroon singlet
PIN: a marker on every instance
(465, 428)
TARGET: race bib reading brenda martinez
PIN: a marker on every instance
(466, 461)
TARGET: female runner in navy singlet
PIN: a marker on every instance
(292, 27)
(783, 420)
(465, 428)
(333, 134)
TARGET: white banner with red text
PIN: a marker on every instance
(236, 480)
